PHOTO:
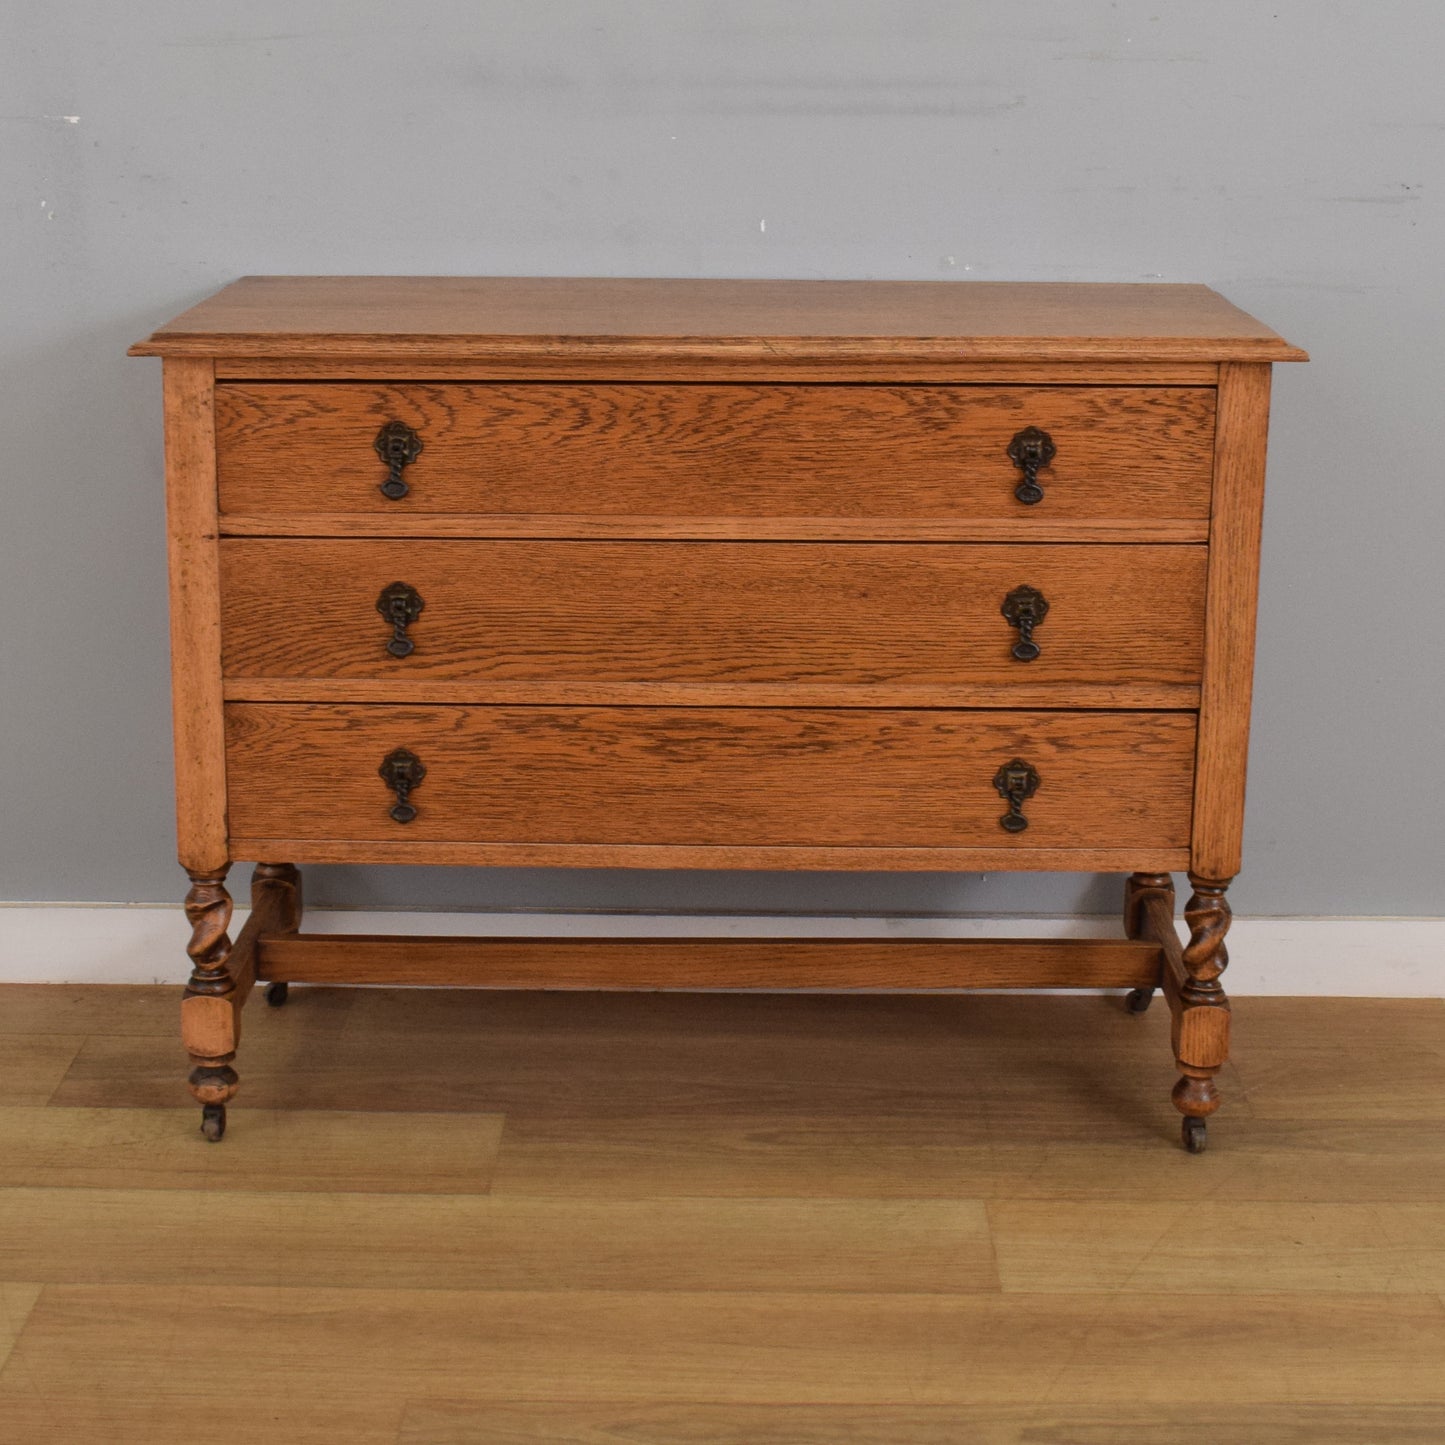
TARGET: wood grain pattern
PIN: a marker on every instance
(210, 1018)
(1067, 1149)
(1129, 695)
(148, 1010)
(1155, 920)
(195, 614)
(142, 1010)
(140, 1410)
(755, 622)
(1380, 1085)
(1110, 1140)
(464, 317)
(650, 776)
(749, 1094)
(1139, 888)
(33, 1065)
(778, 963)
(1236, 520)
(470, 1241)
(597, 525)
(326, 1151)
(680, 1346)
(16, 1302)
(870, 859)
(690, 1067)
(1045, 1421)
(715, 451)
(1274, 1247)
(948, 370)
(1199, 1012)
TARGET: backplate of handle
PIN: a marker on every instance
(1025, 608)
(1030, 451)
(401, 770)
(398, 446)
(401, 605)
(1017, 782)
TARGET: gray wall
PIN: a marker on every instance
(1291, 154)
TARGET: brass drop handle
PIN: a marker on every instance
(398, 446)
(402, 771)
(1031, 450)
(1016, 783)
(401, 605)
(1025, 608)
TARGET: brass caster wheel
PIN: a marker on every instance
(213, 1121)
(276, 993)
(1138, 1000)
(1195, 1133)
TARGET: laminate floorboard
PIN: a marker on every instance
(1069, 1152)
(1068, 1245)
(458, 1241)
(32, 1066)
(16, 1302)
(1047, 1423)
(282, 1149)
(736, 1347)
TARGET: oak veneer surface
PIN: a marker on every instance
(1237, 518)
(195, 614)
(716, 963)
(870, 859)
(1124, 623)
(571, 526)
(858, 778)
(703, 367)
(694, 450)
(453, 316)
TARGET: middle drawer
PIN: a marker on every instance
(917, 624)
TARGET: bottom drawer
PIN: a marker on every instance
(710, 777)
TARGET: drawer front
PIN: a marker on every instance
(709, 776)
(544, 621)
(700, 451)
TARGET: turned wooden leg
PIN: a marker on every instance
(223, 975)
(1201, 1019)
(208, 1017)
(1139, 888)
(280, 884)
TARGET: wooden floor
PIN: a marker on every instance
(446, 1219)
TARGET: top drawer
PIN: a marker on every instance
(608, 459)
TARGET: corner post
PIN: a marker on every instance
(210, 1021)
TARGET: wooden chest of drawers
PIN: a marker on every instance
(713, 574)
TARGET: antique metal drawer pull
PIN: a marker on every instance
(1025, 608)
(402, 771)
(1016, 783)
(1031, 450)
(398, 446)
(401, 605)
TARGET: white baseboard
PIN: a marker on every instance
(1349, 957)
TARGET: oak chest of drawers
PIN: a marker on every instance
(823, 575)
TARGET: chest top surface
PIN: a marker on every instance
(459, 316)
